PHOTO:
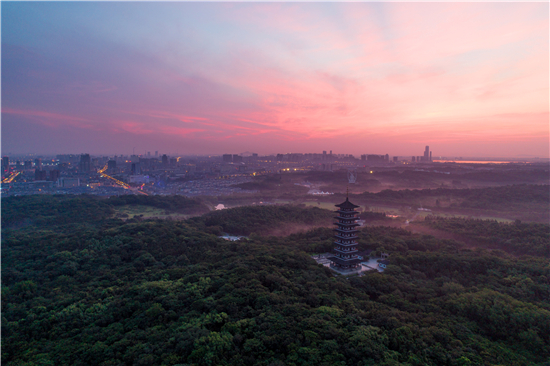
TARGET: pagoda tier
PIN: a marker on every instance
(351, 250)
(347, 214)
(346, 219)
(346, 239)
(345, 251)
(345, 244)
(346, 231)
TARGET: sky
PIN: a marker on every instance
(467, 79)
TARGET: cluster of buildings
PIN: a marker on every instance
(164, 174)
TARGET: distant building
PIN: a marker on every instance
(427, 155)
(5, 164)
(28, 164)
(227, 158)
(376, 158)
(68, 182)
(85, 163)
(40, 174)
(173, 162)
(138, 179)
(395, 159)
(38, 163)
(111, 165)
(413, 159)
(54, 175)
(164, 161)
(237, 159)
(136, 168)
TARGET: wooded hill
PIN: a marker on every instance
(159, 292)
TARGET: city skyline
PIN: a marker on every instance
(467, 79)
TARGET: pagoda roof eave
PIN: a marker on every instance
(346, 204)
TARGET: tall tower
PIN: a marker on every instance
(345, 251)
(85, 163)
(427, 154)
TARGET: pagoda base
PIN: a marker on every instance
(346, 271)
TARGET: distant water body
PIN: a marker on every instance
(476, 161)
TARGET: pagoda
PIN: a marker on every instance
(345, 251)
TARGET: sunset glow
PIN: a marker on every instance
(467, 79)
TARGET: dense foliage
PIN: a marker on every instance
(179, 204)
(42, 210)
(165, 293)
(505, 197)
(526, 202)
(518, 238)
(248, 219)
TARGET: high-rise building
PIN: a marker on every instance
(28, 164)
(111, 165)
(376, 158)
(413, 159)
(427, 154)
(54, 175)
(345, 253)
(38, 163)
(5, 164)
(85, 163)
(156, 154)
(40, 174)
(227, 158)
(136, 168)
(237, 159)
(164, 161)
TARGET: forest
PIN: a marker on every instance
(92, 289)
(517, 238)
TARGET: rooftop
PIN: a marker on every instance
(347, 204)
